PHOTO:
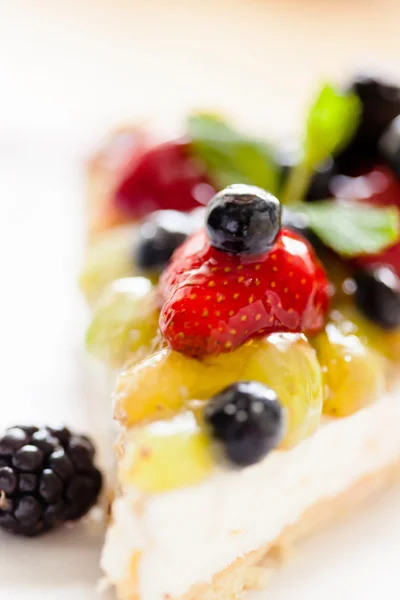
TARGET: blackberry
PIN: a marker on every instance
(380, 104)
(247, 419)
(47, 476)
(243, 219)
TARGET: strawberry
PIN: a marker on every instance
(215, 301)
(165, 176)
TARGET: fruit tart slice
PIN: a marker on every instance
(257, 397)
(262, 414)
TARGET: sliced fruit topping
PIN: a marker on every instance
(166, 176)
(165, 455)
(378, 296)
(161, 233)
(124, 321)
(247, 420)
(109, 257)
(214, 301)
(163, 383)
(243, 219)
(353, 373)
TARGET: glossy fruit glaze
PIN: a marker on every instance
(214, 301)
(165, 176)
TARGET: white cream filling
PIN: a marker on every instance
(188, 535)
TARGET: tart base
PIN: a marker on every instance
(253, 571)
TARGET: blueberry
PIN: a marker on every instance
(247, 419)
(380, 104)
(378, 296)
(389, 146)
(243, 219)
(159, 236)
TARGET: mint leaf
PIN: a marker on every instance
(332, 120)
(350, 229)
(230, 156)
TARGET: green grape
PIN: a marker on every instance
(109, 257)
(124, 321)
(166, 381)
(353, 373)
(165, 455)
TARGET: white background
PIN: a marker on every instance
(68, 72)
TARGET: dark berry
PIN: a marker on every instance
(61, 464)
(159, 236)
(61, 433)
(243, 219)
(28, 458)
(8, 480)
(28, 511)
(13, 440)
(81, 452)
(380, 104)
(378, 296)
(50, 486)
(48, 479)
(389, 146)
(27, 482)
(47, 443)
(320, 186)
(80, 491)
(247, 419)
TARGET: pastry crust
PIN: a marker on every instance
(254, 570)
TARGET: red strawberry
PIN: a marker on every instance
(381, 188)
(214, 301)
(165, 176)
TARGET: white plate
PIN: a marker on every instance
(43, 317)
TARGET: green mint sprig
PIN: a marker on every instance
(332, 120)
(229, 155)
(352, 229)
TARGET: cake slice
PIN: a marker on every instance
(266, 403)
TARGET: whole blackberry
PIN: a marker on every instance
(47, 476)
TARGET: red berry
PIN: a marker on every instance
(379, 187)
(215, 301)
(166, 176)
